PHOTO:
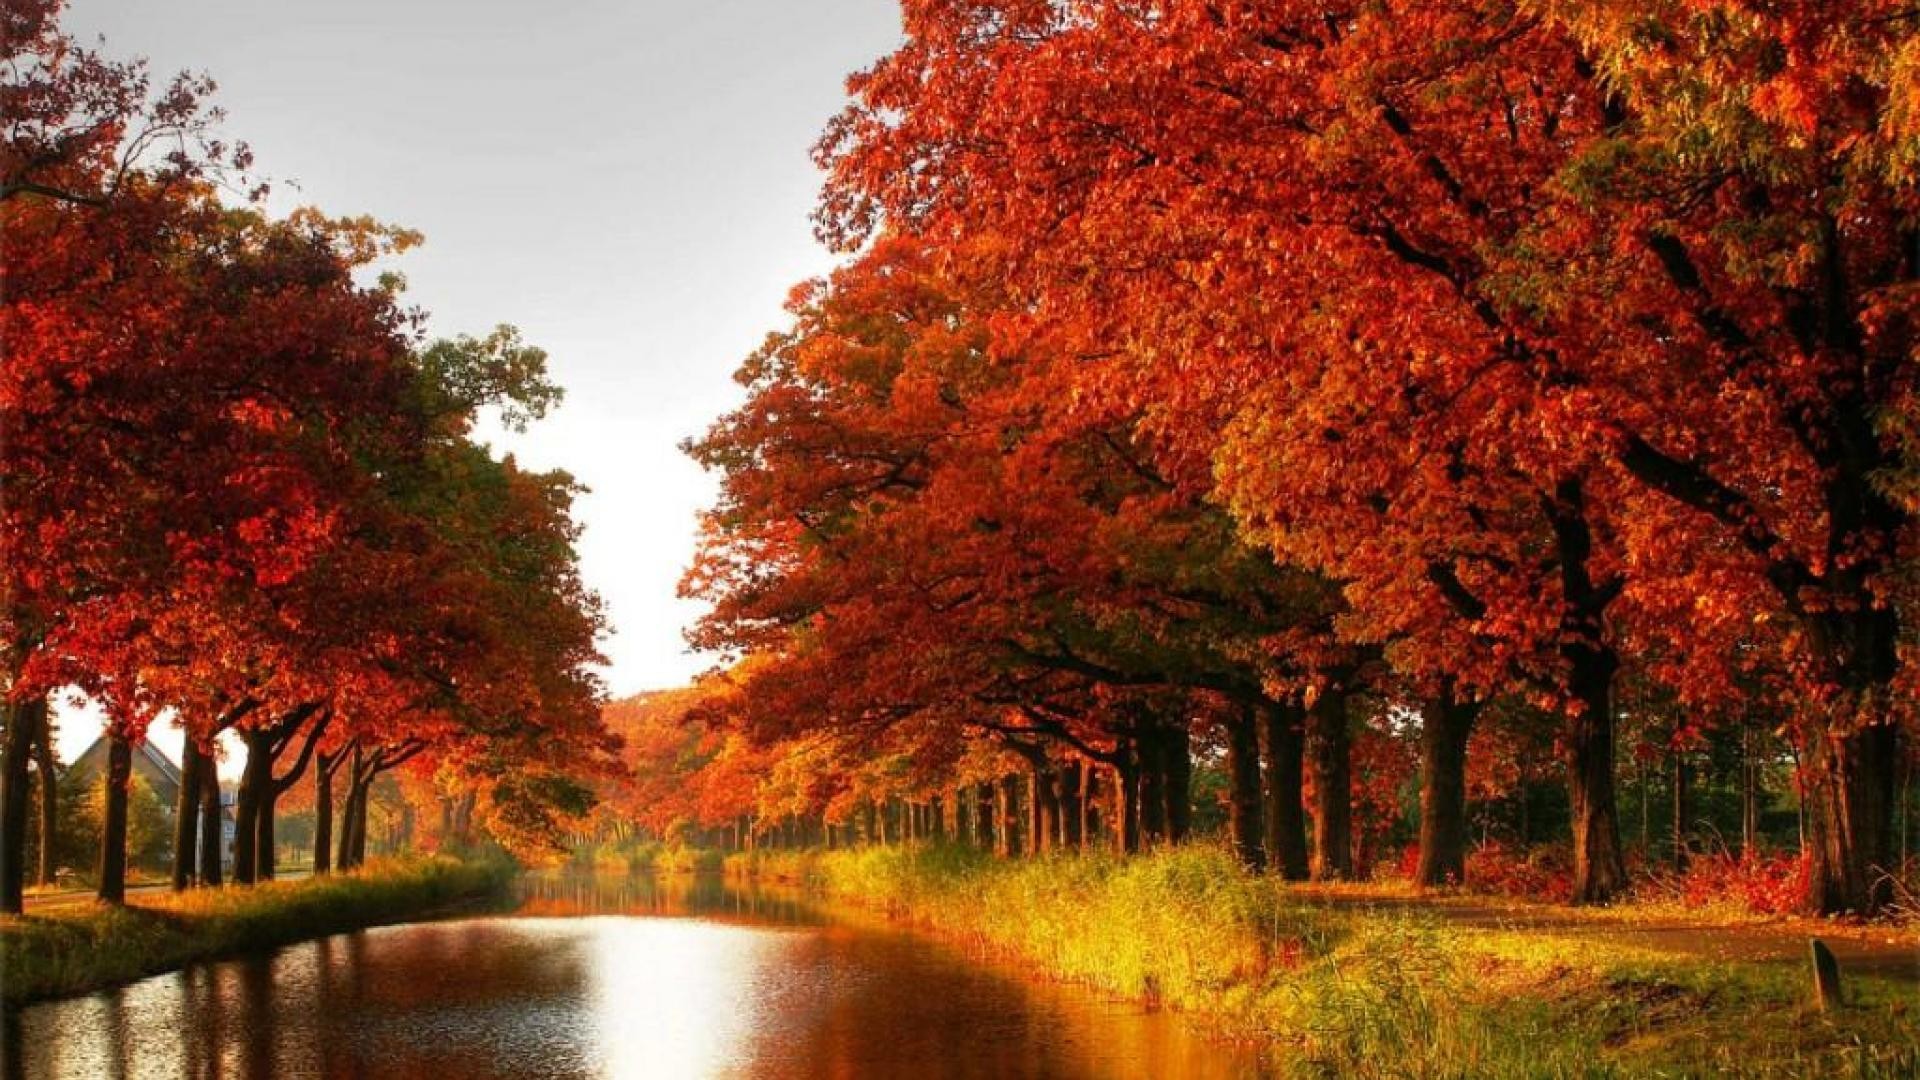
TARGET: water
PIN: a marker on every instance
(615, 977)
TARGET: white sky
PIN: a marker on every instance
(628, 182)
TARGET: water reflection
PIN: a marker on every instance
(704, 896)
(706, 981)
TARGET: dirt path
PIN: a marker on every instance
(1878, 949)
(66, 898)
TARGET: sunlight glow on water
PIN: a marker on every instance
(747, 987)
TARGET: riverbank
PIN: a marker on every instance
(1368, 990)
(77, 949)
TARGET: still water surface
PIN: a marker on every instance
(614, 977)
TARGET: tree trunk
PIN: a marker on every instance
(1749, 797)
(323, 815)
(1850, 819)
(24, 720)
(1089, 805)
(1008, 805)
(360, 806)
(1177, 754)
(1646, 806)
(212, 824)
(246, 807)
(1126, 799)
(985, 834)
(1444, 734)
(263, 829)
(1045, 814)
(1679, 810)
(1246, 826)
(49, 803)
(1329, 745)
(186, 814)
(1286, 822)
(1072, 809)
(1036, 814)
(113, 821)
(1152, 749)
(273, 786)
(1599, 868)
(349, 810)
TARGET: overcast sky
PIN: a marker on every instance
(627, 181)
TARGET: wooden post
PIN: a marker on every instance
(1826, 977)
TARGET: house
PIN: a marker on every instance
(158, 771)
(149, 764)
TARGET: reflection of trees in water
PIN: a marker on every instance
(709, 896)
(890, 1003)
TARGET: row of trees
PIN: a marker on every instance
(1276, 374)
(241, 488)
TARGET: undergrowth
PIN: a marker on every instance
(1355, 991)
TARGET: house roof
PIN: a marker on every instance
(154, 756)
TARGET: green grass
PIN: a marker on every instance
(1350, 991)
(75, 949)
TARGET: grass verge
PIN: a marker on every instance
(1363, 992)
(78, 949)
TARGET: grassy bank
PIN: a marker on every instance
(1352, 991)
(86, 947)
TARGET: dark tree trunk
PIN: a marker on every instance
(186, 815)
(349, 809)
(113, 821)
(254, 779)
(263, 829)
(1680, 779)
(1152, 799)
(1126, 799)
(1177, 753)
(356, 835)
(273, 786)
(1286, 821)
(362, 812)
(1749, 797)
(212, 824)
(323, 815)
(1072, 807)
(1089, 805)
(985, 835)
(1044, 807)
(1850, 819)
(1008, 806)
(1599, 867)
(49, 803)
(1246, 825)
(349, 815)
(1444, 734)
(1329, 746)
(24, 721)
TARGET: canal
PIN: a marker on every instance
(629, 976)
